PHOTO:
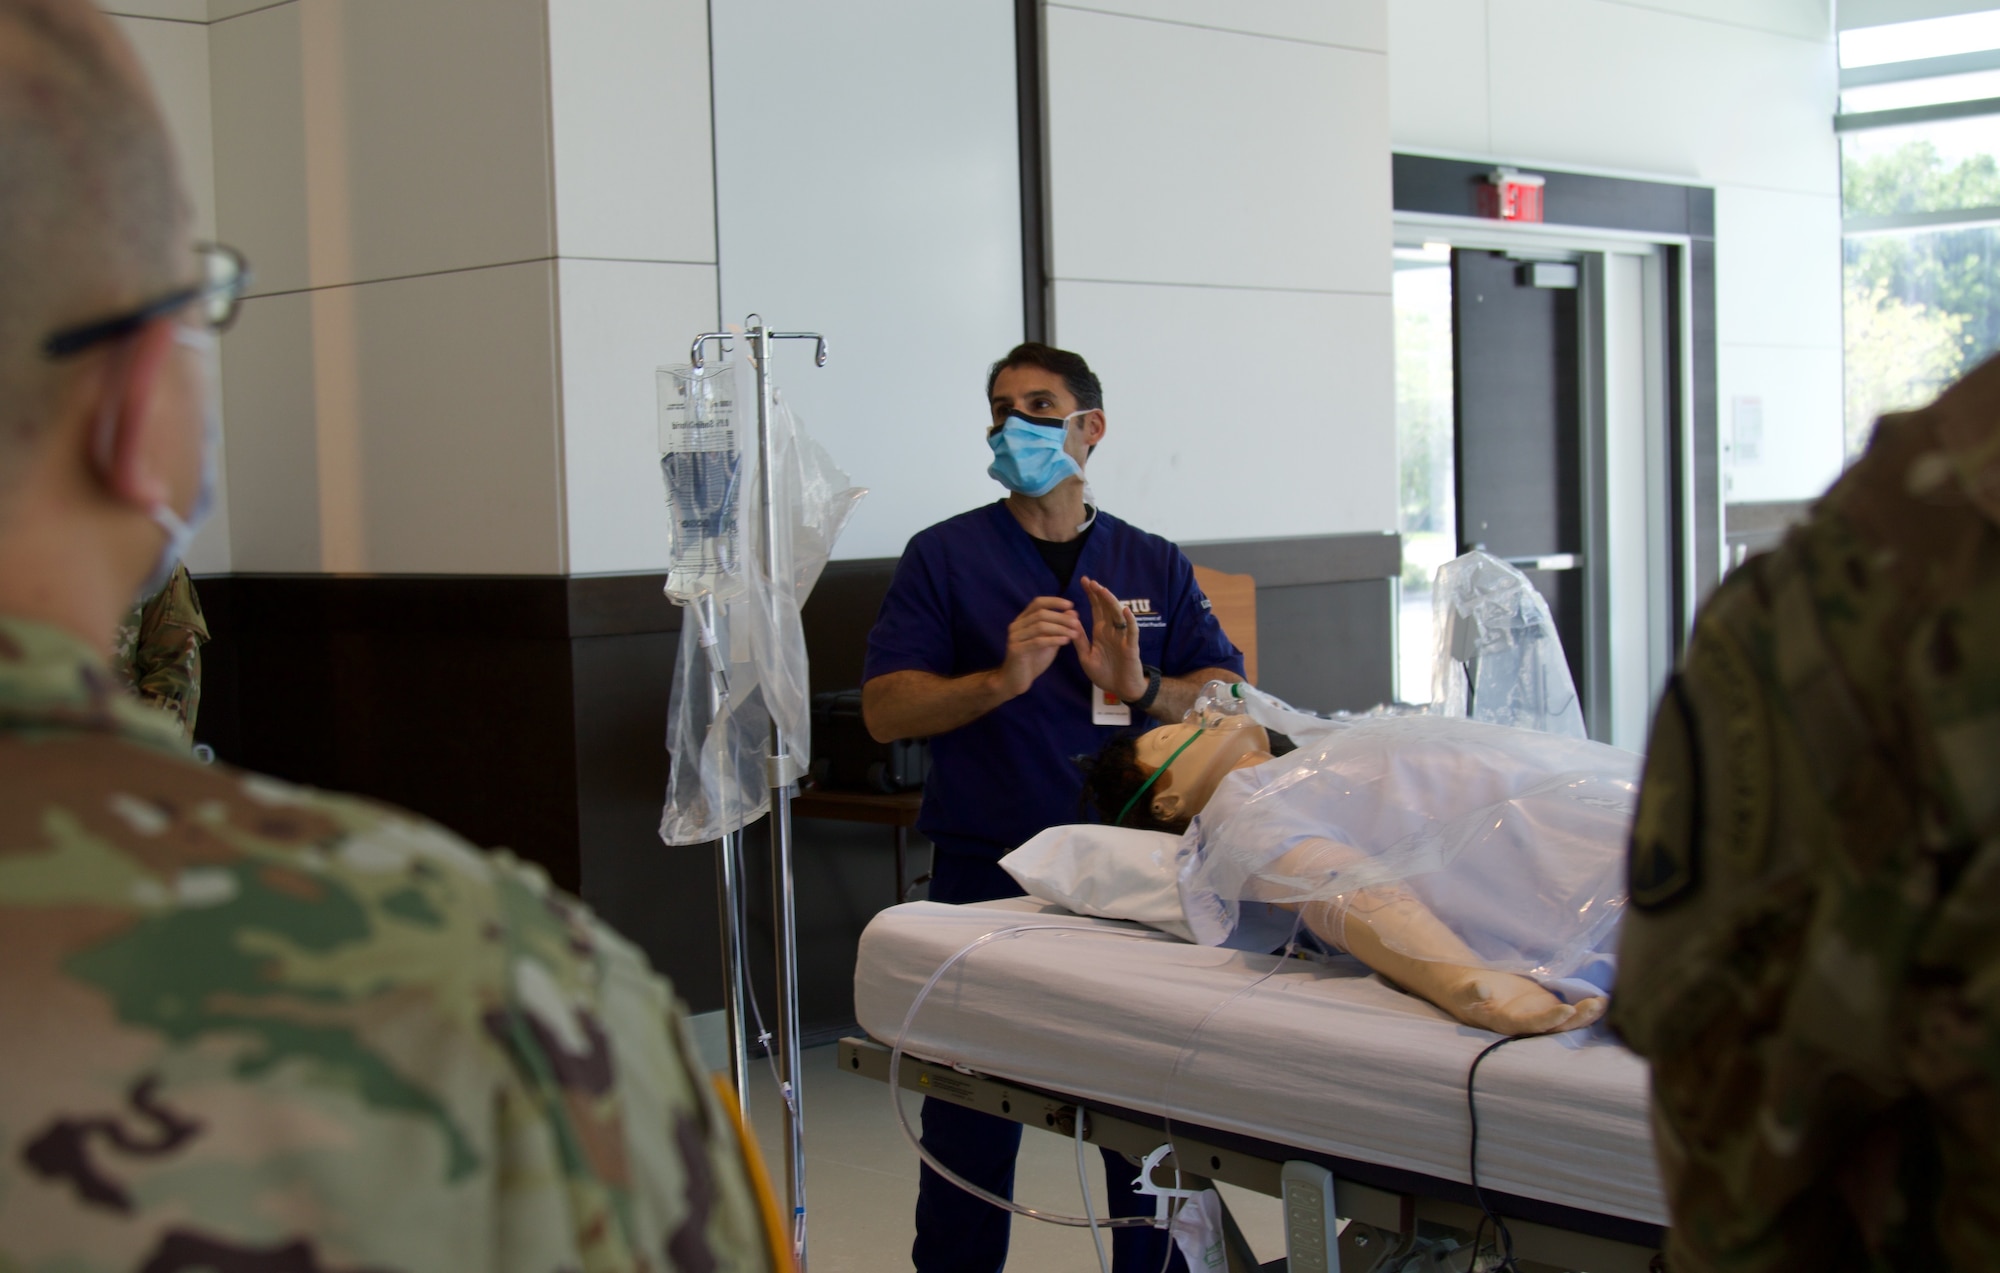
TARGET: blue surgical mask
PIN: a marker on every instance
(1028, 455)
(180, 531)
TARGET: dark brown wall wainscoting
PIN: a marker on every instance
(530, 712)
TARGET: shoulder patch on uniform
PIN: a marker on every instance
(1664, 864)
(1723, 685)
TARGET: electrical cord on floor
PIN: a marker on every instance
(1503, 1236)
(1089, 1207)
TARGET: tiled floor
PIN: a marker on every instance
(861, 1181)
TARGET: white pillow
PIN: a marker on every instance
(1109, 872)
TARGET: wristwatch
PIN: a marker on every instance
(1145, 700)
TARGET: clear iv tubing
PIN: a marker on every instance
(903, 1118)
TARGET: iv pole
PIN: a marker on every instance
(784, 908)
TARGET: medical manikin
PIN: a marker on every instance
(1478, 866)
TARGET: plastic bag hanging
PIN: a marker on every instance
(1498, 657)
(742, 657)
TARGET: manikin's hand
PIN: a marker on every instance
(1047, 625)
(1506, 1003)
(1392, 931)
(1110, 655)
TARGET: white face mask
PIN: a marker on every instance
(180, 531)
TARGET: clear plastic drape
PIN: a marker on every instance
(1513, 839)
(742, 661)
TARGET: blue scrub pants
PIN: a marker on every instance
(958, 1233)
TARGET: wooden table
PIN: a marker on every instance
(897, 811)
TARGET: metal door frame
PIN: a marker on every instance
(1666, 285)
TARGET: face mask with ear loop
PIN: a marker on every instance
(180, 531)
(1028, 454)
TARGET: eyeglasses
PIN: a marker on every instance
(225, 277)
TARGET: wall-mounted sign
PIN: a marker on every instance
(1508, 195)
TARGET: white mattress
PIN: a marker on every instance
(1323, 1056)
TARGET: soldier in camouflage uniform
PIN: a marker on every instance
(156, 651)
(1812, 956)
(246, 1027)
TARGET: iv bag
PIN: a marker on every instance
(1498, 658)
(742, 660)
(701, 463)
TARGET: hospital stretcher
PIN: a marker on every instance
(1318, 1062)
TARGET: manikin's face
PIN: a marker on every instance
(1183, 791)
(1041, 393)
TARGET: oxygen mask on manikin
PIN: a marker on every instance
(1028, 454)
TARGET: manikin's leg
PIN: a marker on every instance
(1393, 932)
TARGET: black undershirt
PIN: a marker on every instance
(1062, 557)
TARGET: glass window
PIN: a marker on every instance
(1921, 309)
(1427, 498)
(1942, 166)
(1931, 37)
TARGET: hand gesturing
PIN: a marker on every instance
(1047, 625)
(1110, 655)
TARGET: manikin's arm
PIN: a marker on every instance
(1392, 931)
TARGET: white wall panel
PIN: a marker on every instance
(1735, 94)
(399, 427)
(221, 9)
(1804, 19)
(1437, 75)
(1180, 155)
(1356, 24)
(1214, 433)
(1777, 268)
(629, 94)
(269, 381)
(1801, 447)
(620, 320)
(261, 145)
(385, 140)
(175, 55)
(867, 180)
(1591, 82)
(172, 10)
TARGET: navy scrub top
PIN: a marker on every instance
(996, 782)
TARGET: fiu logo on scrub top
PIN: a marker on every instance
(1142, 611)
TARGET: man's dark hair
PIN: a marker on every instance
(1076, 374)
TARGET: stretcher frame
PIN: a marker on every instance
(1388, 1209)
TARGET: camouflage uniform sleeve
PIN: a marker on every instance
(255, 1027)
(648, 1150)
(157, 650)
(1809, 960)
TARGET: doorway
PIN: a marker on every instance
(1535, 421)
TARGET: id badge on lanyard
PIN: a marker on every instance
(1107, 708)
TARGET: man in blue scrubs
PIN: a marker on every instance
(1017, 637)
